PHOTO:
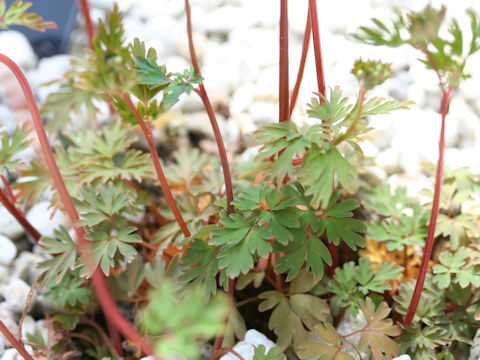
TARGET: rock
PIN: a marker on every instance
(25, 267)
(475, 349)
(7, 318)
(246, 348)
(2, 345)
(9, 227)
(8, 250)
(242, 98)
(15, 45)
(48, 69)
(7, 119)
(39, 216)
(263, 112)
(402, 357)
(29, 326)
(11, 354)
(16, 295)
(414, 184)
(388, 160)
(351, 323)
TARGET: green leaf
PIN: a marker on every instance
(105, 250)
(304, 246)
(150, 72)
(69, 292)
(201, 266)
(376, 106)
(320, 171)
(175, 319)
(64, 249)
(10, 147)
(260, 353)
(16, 15)
(339, 224)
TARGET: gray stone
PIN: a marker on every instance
(8, 251)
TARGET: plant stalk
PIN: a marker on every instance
(147, 131)
(107, 303)
(317, 47)
(283, 87)
(412, 308)
(14, 342)
(20, 217)
(89, 27)
(303, 60)
(211, 114)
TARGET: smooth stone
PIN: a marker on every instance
(263, 112)
(9, 226)
(49, 69)
(246, 348)
(15, 45)
(242, 98)
(475, 349)
(39, 216)
(8, 251)
(402, 357)
(25, 267)
(16, 295)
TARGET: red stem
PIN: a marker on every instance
(283, 88)
(317, 47)
(211, 114)
(20, 217)
(89, 28)
(8, 189)
(104, 295)
(15, 343)
(334, 255)
(303, 60)
(446, 97)
(147, 130)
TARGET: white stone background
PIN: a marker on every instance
(237, 41)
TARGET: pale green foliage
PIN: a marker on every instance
(10, 147)
(353, 282)
(179, 322)
(16, 14)
(447, 56)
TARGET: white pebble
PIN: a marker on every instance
(8, 251)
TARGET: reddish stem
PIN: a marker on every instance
(303, 60)
(446, 97)
(211, 114)
(147, 130)
(283, 88)
(89, 28)
(332, 248)
(113, 351)
(15, 343)
(8, 189)
(317, 47)
(104, 295)
(20, 217)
